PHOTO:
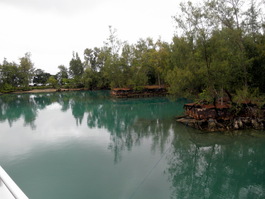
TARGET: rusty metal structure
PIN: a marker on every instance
(145, 91)
(223, 117)
(207, 111)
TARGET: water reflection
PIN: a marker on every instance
(14, 107)
(127, 121)
(217, 165)
(199, 165)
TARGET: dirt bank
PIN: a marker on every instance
(50, 90)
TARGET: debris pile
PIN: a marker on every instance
(145, 91)
(224, 117)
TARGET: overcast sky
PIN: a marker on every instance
(52, 29)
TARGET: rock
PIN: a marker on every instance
(256, 124)
(246, 121)
(240, 123)
(223, 125)
(191, 122)
(212, 124)
(236, 126)
(261, 122)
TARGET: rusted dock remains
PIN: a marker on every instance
(223, 117)
(145, 91)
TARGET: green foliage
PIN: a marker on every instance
(89, 79)
(25, 70)
(219, 45)
(216, 50)
(69, 83)
(138, 77)
(52, 81)
(42, 87)
(40, 77)
(183, 83)
(6, 88)
(249, 95)
(205, 96)
(62, 75)
(76, 68)
(9, 74)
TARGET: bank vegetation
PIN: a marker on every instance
(218, 51)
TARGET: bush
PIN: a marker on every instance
(205, 96)
(249, 95)
(6, 88)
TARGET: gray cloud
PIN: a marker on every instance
(61, 6)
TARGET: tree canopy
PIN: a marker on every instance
(218, 47)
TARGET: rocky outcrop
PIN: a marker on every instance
(223, 125)
(223, 118)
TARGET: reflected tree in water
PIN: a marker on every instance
(78, 106)
(26, 106)
(14, 107)
(198, 164)
(197, 168)
(128, 121)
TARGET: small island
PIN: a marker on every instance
(223, 117)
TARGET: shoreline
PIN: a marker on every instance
(48, 90)
(146, 91)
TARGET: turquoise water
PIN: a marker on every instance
(88, 145)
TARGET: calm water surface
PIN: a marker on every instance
(88, 145)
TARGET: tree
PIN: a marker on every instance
(40, 77)
(89, 79)
(8, 75)
(62, 75)
(52, 81)
(190, 63)
(25, 70)
(230, 15)
(92, 59)
(211, 52)
(142, 71)
(76, 68)
(251, 22)
(95, 60)
(184, 76)
(158, 57)
(112, 69)
(256, 54)
(126, 64)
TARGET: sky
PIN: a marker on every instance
(52, 29)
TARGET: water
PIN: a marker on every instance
(88, 145)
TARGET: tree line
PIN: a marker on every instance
(218, 49)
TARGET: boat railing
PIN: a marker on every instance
(8, 188)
